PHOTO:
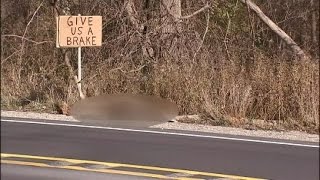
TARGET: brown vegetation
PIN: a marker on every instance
(220, 61)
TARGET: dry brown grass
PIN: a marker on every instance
(226, 90)
(237, 88)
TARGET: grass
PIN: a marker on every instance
(225, 93)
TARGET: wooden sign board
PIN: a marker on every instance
(79, 31)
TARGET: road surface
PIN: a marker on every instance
(14, 172)
(155, 148)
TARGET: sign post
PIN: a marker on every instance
(79, 31)
(79, 65)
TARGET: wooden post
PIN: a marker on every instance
(79, 71)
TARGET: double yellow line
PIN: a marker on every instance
(113, 168)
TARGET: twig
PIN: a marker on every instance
(196, 12)
(203, 37)
(24, 38)
(126, 72)
(4, 60)
(25, 31)
(190, 15)
(138, 69)
(115, 69)
(226, 36)
(23, 41)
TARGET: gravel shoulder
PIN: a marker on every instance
(290, 135)
(33, 115)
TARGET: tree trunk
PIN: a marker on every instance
(170, 13)
(275, 28)
(132, 13)
(147, 50)
(314, 23)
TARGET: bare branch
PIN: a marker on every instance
(275, 28)
(125, 72)
(23, 42)
(27, 39)
(138, 69)
(203, 37)
(196, 12)
(187, 16)
(114, 69)
(226, 36)
(4, 60)
(25, 31)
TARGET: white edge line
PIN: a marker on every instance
(166, 133)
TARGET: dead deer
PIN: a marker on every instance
(124, 107)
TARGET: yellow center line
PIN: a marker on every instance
(76, 161)
(94, 170)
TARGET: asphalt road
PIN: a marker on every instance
(243, 158)
(14, 172)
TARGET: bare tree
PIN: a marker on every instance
(314, 23)
(275, 28)
(170, 13)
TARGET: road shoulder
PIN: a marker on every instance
(183, 127)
